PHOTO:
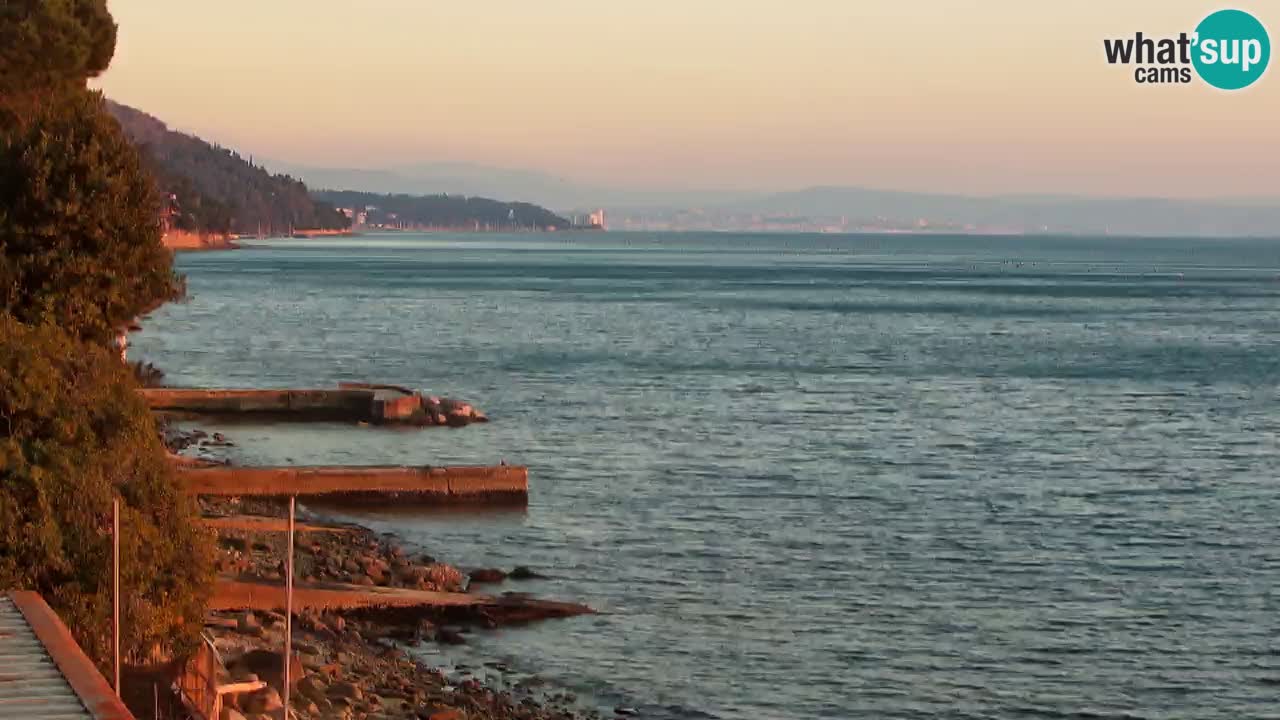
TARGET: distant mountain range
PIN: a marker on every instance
(531, 186)
(1024, 213)
(849, 209)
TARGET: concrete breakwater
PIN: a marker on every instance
(367, 484)
(349, 402)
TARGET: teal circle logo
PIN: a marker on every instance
(1232, 49)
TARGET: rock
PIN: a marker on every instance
(312, 688)
(306, 648)
(449, 714)
(269, 666)
(625, 711)
(524, 573)
(231, 714)
(350, 565)
(265, 700)
(443, 577)
(248, 623)
(488, 575)
(449, 636)
(311, 662)
(346, 690)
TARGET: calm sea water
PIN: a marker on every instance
(817, 476)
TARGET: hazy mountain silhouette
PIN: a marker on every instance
(859, 207)
(1031, 213)
(527, 185)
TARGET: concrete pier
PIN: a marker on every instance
(349, 402)
(233, 594)
(502, 484)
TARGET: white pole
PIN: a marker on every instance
(288, 610)
(115, 591)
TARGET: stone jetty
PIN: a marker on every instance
(349, 402)
(370, 484)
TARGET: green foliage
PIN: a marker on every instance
(47, 46)
(79, 223)
(445, 211)
(74, 434)
(218, 191)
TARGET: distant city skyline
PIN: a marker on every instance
(954, 96)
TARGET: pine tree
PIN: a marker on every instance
(79, 223)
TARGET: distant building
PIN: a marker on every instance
(590, 221)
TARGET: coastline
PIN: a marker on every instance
(351, 662)
(183, 241)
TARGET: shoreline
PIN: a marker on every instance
(354, 651)
(359, 662)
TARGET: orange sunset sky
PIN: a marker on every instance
(972, 96)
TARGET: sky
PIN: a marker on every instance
(957, 96)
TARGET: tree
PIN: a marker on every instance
(48, 47)
(73, 435)
(79, 223)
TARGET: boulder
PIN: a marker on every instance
(487, 575)
(449, 636)
(524, 573)
(265, 700)
(248, 623)
(312, 688)
(229, 713)
(443, 577)
(346, 690)
(269, 666)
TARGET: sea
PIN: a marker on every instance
(812, 476)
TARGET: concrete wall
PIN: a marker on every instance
(503, 483)
(353, 404)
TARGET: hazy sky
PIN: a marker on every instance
(973, 96)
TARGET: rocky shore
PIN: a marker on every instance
(357, 664)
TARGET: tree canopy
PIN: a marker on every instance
(216, 190)
(74, 434)
(48, 46)
(79, 223)
(445, 211)
(80, 255)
